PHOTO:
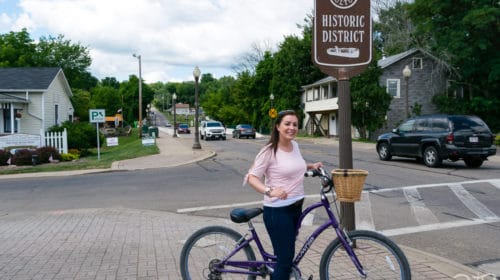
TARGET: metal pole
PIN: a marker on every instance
(173, 108)
(140, 94)
(345, 144)
(407, 106)
(196, 144)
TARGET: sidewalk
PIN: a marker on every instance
(122, 243)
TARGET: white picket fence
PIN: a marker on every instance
(58, 140)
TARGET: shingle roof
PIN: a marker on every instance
(383, 63)
(22, 78)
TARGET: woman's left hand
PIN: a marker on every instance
(316, 165)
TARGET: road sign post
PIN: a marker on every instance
(342, 48)
(97, 116)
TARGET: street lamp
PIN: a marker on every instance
(174, 97)
(196, 75)
(406, 75)
(140, 94)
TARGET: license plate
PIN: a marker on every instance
(473, 139)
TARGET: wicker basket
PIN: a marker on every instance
(349, 183)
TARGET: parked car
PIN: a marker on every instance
(167, 124)
(212, 130)
(434, 138)
(183, 128)
(244, 130)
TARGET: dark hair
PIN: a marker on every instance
(275, 134)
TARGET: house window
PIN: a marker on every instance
(316, 94)
(56, 114)
(417, 63)
(325, 92)
(393, 87)
(7, 121)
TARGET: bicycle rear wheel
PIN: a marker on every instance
(380, 257)
(207, 247)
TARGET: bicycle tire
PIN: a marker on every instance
(380, 257)
(210, 244)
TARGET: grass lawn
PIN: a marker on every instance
(128, 147)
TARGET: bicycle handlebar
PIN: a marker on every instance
(326, 181)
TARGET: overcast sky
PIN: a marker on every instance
(172, 36)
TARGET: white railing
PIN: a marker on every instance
(58, 140)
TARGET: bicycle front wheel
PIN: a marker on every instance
(205, 249)
(379, 256)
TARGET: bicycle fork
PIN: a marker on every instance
(349, 247)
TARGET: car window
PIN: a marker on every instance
(469, 123)
(407, 126)
(214, 124)
(440, 124)
(245, 126)
(422, 125)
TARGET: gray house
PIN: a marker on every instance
(32, 100)
(425, 77)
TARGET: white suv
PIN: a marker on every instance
(212, 130)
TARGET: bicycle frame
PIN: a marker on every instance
(268, 260)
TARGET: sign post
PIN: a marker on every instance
(342, 48)
(97, 116)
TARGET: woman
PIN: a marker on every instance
(283, 167)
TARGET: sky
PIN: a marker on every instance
(171, 36)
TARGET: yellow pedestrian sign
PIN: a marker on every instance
(273, 113)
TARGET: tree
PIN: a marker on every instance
(393, 31)
(370, 101)
(16, 49)
(74, 59)
(467, 36)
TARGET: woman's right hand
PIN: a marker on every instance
(278, 192)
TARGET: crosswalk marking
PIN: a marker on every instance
(426, 219)
(472, 203)
(363, 213)
(439, 226)
(422, 214)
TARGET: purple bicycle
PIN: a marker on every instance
(218, 252)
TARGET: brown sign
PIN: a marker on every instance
(342, 36)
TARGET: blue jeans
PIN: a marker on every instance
(281, 224)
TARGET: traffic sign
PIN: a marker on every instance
(97, 115)
(342, 36)
(273, 113)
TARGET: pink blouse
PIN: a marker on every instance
(285, 170)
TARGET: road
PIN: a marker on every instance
(451, 211)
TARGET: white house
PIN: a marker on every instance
(427, 78)
(32, 100)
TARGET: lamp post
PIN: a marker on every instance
(271, 97)
(174, 97)
(406, 75)
(196, 75)
(140, 94)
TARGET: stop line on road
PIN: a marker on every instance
(425, 218)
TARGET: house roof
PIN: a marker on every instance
(6, 98)
(27, 78)
(385, 62)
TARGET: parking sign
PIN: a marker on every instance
(97, 115)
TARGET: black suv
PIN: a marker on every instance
(433, 138)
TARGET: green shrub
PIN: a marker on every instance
(44, 154)
(81, 135)
(69, 157)
(4, 157)
(497, 140)
(23, 157)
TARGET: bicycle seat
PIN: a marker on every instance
(243, 215)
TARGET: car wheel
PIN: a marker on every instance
(431, 157)
(224, 138)
(201, 136)
(383, 151)
(253, 137)
(473, 162)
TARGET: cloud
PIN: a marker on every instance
(172, 36)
